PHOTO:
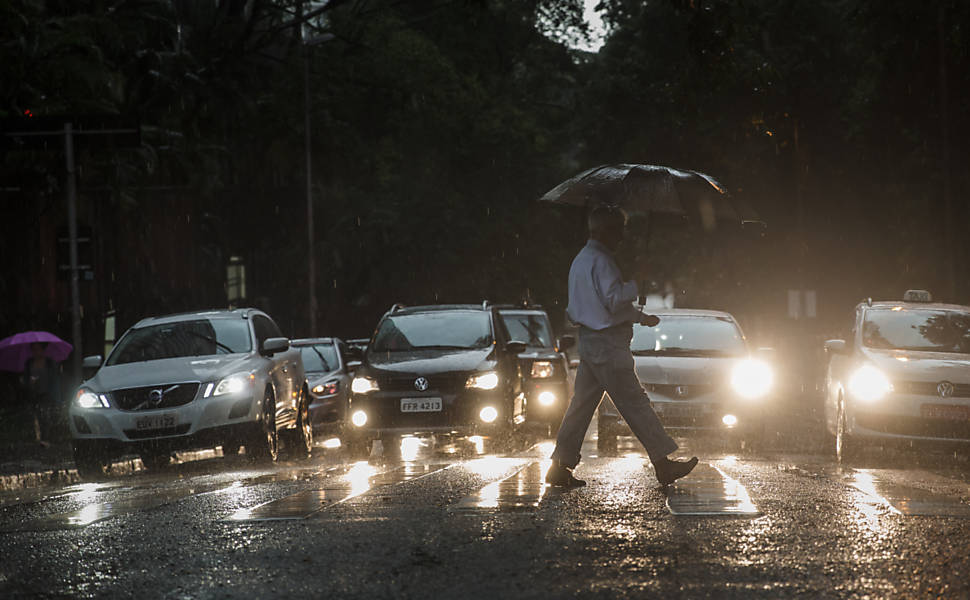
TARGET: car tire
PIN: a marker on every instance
(263, 444)
(846, 448)
(90, 462)
(155, 460)
(298, 442)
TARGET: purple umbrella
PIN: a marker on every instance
(15, 350)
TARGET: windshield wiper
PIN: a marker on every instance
(211, 339)
(326, 365)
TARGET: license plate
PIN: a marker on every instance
(162, 421)
(945, 411)
(420, 404)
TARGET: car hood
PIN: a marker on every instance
(428, 362)
(684, 370)
(169, 370)
(316, 377)
(908, 365)
(539, 354)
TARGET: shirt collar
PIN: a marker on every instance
(598, 246)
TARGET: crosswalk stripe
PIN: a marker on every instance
(709, 491)
(906, 500)
(523, 490)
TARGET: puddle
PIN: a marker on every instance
(708, 491)
(524, 490)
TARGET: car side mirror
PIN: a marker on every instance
(353, 365)
(836, 347)
(516, 347)
(353, 354)
(566, 342)
(92, 362)
(273, 346)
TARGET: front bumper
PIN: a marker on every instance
(538, 413)
(326, 410)
(906, 417)
(703, 413)
(459, 413)
(187, 421)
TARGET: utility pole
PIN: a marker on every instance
(72, 236)
(948, 216)
(311, 252)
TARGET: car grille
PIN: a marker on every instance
(448, 383)
(929, 388)
(154, 397)
(916, 426)
(143, 434)
(670, 390)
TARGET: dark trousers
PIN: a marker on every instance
(606, 365)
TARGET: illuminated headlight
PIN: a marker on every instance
(88, 399)
(541, 369)
(729, 420)
(547, 398)
(752, 378)
(233, 384)
(483, 381)
(488, 414)
(869, 384)
(359, 418)
(363, 385)
(326, 389)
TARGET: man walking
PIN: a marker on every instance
(601, 303)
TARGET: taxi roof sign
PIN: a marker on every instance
(917, 296)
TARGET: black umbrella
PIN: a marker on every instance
(654, 190)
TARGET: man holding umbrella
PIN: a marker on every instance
(601, 303)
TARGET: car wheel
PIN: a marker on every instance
(845, 447)
(90, 463)
(263, 445)
(155, 460)
(298, 442)
(606, 436)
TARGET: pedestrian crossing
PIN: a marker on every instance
(718, 487)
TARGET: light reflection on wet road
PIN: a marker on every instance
(228, 523)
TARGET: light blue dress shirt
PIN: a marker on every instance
(598, 296)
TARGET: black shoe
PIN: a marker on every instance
(669, 471)
(560, 476)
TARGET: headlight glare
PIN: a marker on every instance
(88, 399)
(547, 398)
(869, 384)
(363, 385)
(234, 384)
(752, 378)
(359, 418)
(483, 381)
(326, 389)
(542, 369)
(488, 414)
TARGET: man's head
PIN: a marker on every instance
(607, 224)
(37, 349)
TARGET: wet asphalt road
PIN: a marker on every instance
(457, 521)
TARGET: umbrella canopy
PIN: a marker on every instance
(653, 189)
(15, 350)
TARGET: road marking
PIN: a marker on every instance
(360, 479)
(906, 500)
(709, 491)
(523, 490)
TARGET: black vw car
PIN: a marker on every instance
(444, 369)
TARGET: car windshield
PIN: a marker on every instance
(923, 330)
(689, 335)
(451, 330)
(531, 328)
(319, 358)
(201, 337)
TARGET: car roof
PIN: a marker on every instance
(312, 341)
(238, 313)
(915, 305)
(410, 310)
(522, 311)
(690, 312)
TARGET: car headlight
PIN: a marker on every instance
(363, 385)
(326, 389)
(547, 398)
(359, 418)
(483, 381)
(752, 378)
(233, 384)
(869, 384)
(542, 369)
(87, 399)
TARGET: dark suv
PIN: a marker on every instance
(445, 369)
(545, 368)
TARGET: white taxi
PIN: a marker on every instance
(902, 374)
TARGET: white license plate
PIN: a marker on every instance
(162, 421)
(420, 404)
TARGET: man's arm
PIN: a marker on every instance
(615, 294)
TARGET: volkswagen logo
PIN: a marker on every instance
(945, 389)
(155, 396)
(682, 390)
(421, 384)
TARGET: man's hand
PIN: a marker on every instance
(649, 320)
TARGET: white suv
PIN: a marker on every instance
(903, 374)
(193, 380)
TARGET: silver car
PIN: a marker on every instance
(189, 381)
(329, 377)
(699, 373)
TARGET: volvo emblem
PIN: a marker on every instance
(421, 384)
(945, 389)
(682, 390)
(155, 396)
